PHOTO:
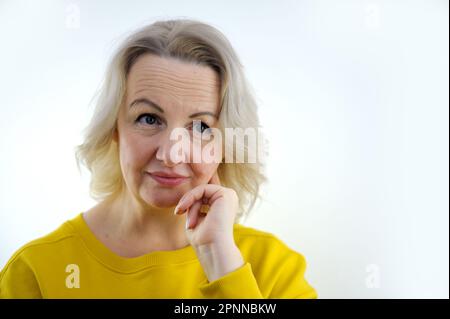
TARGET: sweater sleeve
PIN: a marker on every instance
(238, 284)
(17, 280)
(285, 280)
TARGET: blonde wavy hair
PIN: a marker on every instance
(193, 42)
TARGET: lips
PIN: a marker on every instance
(167, 174)
(168, 179)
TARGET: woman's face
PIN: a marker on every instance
(163, 94)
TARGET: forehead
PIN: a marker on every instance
(170, 82)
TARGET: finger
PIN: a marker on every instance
(192, 215)
(203, 203)
(209, 191)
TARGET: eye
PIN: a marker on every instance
(150, 119)
(201, 127)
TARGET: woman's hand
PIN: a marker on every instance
(215, 226)
(211, 233)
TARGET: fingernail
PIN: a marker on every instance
(175, 212)
(181, 202)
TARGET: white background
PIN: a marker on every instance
(353, 98)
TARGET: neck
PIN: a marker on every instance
(152, 227)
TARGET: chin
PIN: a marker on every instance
(162, 198)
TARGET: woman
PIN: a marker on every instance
(166, 226)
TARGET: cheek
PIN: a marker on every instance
(135, 151)
(203, 172)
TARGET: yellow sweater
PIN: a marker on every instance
(71, 262)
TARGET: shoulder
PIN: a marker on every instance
(278, 269)
(19, 278)
(245, 234)
(256, 244)
(39, 247)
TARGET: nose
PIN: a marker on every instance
(173, 151)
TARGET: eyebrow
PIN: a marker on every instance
(158, 108)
